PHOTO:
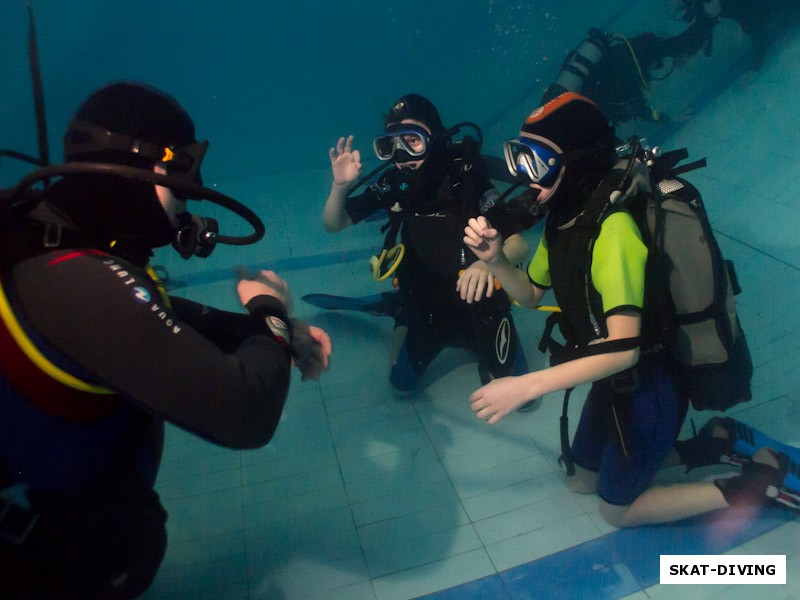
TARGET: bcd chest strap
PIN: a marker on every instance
(622, 385)
(561, 353)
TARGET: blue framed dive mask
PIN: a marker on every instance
(532, 159)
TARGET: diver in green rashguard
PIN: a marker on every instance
(635, 408)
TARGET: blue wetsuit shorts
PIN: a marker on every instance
(651, 419)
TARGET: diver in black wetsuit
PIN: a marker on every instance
(762, 21)
(95, 356)
(431, 189)
(616, 71)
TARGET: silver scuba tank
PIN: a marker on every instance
(578, 65)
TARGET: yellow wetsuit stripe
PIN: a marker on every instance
(39, 359)
(151, 272)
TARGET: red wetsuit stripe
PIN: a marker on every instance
(46, 393)
(76, 254)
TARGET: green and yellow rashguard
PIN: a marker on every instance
(618, 264)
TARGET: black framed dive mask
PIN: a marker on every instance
(409, 142)
(181, 162)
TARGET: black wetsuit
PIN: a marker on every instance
(89, 460)
(763, 21)
(434, 210)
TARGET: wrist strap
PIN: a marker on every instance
(275, 317)
(281, 332)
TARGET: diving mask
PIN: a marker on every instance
(182, 162)
(407, 141)
(534, 159)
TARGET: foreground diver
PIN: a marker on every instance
(95, 356)
(432, 187)
(634, 410)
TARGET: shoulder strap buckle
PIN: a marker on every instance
(52, 235)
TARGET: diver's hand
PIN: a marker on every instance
(312, 347)
(475, 282)
(263, 283)
(712, 8)
(484, 241)
(499, 397)
(345, 162)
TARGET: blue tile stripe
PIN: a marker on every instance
(620, 563)
(281, 265)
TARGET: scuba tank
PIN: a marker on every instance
(579, 63)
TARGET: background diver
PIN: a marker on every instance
(615, 71)
(763, 22)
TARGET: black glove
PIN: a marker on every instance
(520, 213)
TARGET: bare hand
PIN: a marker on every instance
(263, 283)
(484, 241)
(497, 398)
(345, 162)
(313, 349)
(475, 282)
